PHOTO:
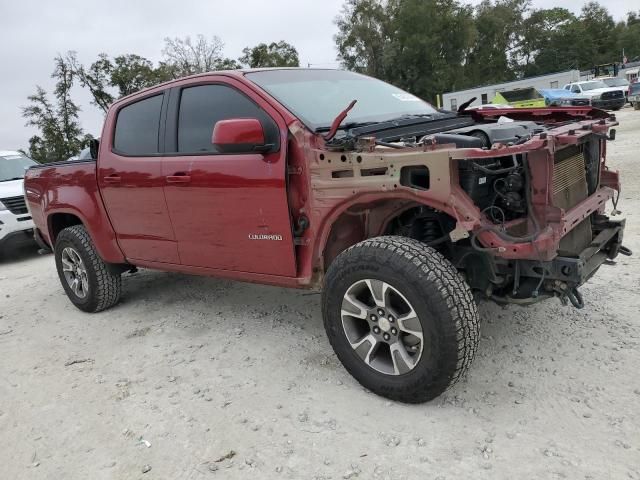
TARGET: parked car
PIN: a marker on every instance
(559, 97)
(16, 226)
(260, 176)
(602, 96)
(634, 95)
(621, 83)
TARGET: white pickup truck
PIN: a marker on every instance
(16, 226)
(602, 96)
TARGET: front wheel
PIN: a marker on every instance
(400, 318)
(84, 276)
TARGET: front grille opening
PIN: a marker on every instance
(15, 205)
(569, 178)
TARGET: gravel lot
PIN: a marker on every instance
(199, 378)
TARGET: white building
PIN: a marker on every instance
(452, 100)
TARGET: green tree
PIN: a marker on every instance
(598, 42)
(59, 133)
(431, 46)
(629, 36)
(549, 42)
(419, 45)
(280, 54)
(497, 27)
(365, 33)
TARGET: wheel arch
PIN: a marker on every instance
(103, 238)
(58, 221)
(363, 218)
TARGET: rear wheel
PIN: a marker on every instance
(84, 276)
(400, 318)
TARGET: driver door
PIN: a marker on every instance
(228, 210)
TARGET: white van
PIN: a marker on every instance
(16, 226)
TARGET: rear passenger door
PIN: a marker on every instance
(230, 211)
(131, 181)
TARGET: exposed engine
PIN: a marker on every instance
(496, 186)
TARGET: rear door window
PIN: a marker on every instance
(137, 127)
(204, 105)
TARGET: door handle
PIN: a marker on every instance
(112, 179)
(178, 178)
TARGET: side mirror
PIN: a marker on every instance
(239, 135)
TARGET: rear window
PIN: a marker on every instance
(634, 88)
(137, 127)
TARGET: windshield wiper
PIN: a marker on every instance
(338, 120)
(11, 179)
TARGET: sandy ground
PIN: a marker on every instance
(199, 378)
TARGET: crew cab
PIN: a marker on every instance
(16, 227)
(601, 95)
(401, 213)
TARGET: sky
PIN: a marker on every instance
(33, 32)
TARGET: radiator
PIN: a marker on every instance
(569, 189)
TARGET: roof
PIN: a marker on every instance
(586, 81)
(240, 72)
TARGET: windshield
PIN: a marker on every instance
(12, 167)
(616, 82)
(317, 96)
(593, 85)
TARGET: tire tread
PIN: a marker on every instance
(109, 285)
(424, 264)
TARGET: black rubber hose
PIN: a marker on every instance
(438, 241)
(499, 171)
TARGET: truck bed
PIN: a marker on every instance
(69, 187)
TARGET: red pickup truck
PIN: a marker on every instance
(401, 212)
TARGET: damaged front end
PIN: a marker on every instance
(523, 220)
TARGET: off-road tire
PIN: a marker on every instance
(443, 301)
(104, 286)
(636, 106)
